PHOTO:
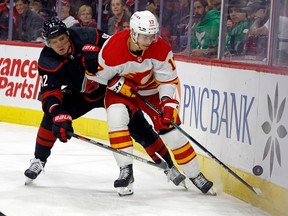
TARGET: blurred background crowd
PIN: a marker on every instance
(227, 29)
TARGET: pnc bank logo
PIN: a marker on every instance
(275, 131)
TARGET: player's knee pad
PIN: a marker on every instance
(117, 117)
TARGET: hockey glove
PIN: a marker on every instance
(169, 110)
(62, 125)
(90, 58)
(123, 86)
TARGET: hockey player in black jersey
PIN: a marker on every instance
(67, 56)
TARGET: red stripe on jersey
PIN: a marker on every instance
(52, 70)
(55, 93)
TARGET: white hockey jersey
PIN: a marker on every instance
(153, 71)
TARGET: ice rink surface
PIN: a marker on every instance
(78, 181)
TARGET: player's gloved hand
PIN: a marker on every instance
(62, 125)
(169, 110)
(123, 86)
(90, 58)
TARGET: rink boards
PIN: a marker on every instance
(238, 112)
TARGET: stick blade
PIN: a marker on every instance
(162, 165)
(258, 191)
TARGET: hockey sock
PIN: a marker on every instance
(159, 147)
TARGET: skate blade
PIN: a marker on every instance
(125, 191)
(28, 181)
(183, 184)
(211, 192)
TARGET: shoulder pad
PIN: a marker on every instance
(48, 62)
(84, 36)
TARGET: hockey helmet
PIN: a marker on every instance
(143, 22)
(53, 27)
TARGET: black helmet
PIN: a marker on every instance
(53, 27)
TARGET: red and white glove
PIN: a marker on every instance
(123, 86)
(169, 110)
(62, 125)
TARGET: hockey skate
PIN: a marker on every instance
(175, 176)
(203, 184)
(34, 170)
(124, 183)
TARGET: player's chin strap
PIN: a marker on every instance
(255, 190)
(133, 37)
(161, 165)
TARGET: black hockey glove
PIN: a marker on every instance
(62, 125)
(90, 58)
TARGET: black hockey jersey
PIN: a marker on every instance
(57, 72)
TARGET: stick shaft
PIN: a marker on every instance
(162, 165)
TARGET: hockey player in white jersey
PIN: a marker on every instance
(138, 60)
(68, 54)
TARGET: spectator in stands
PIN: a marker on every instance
(35, 6)
(115, 23)
(129, 6)
(126, 25)
(4, 19)
(85, 16)
(48, 5)
(237, 33)
(65, 14)
(153, 6)
(216, 4)
(229, 25)
(45, 13)
(206, 31)
(257, 40)
(181, 22)
(30, 23)
(171, 16)
(282, 54)
(106, 14)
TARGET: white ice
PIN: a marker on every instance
(78, 181)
